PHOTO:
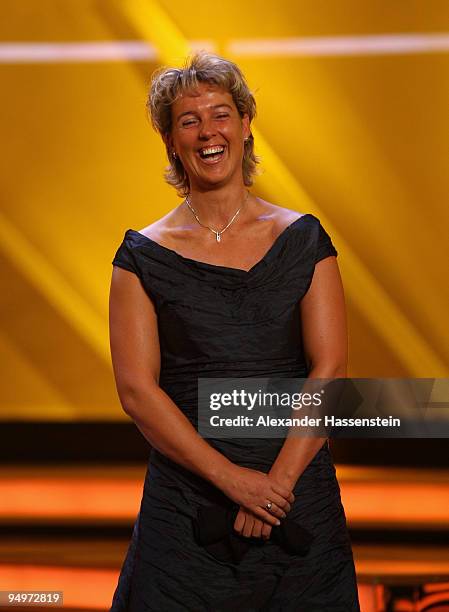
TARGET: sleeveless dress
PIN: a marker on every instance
(217, 321)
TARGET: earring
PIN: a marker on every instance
(174, 155)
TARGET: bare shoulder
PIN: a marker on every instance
(280, 215)
(161, 229)
(172, 231)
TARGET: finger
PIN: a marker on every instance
(287, 494)
(266, 531)
(280, 503)
(265, 516)
(248, 527)
(285, 505)
(275, 510)
(257, 528)
(283, 492)
(239, 521)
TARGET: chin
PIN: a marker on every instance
(216, 180)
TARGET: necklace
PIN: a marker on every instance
(217, 233)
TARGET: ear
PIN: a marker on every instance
(246, 126)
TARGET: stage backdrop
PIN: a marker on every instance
(352, 126)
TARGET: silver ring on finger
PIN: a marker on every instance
(268, 506)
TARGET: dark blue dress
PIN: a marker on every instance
(216, 321)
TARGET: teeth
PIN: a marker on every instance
(212, 150)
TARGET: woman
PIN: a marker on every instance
(225, 285)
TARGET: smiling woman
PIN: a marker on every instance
(185, 104)
(226, 285)
(208, 135)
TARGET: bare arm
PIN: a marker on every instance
(135, 352)
(323, 320)
(324, 330)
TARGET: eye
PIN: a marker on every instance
(222, 115)
(188, 122)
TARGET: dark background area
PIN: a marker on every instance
(106, 442)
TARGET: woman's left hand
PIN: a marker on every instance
(249, 526)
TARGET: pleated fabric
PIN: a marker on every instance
(217, 321)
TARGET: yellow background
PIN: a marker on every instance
(360, 140)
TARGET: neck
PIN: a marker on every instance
(216, 207)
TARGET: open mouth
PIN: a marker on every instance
(212, 154)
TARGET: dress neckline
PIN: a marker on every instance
(277, 241)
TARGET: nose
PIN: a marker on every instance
(206, 130)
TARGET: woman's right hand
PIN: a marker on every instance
(247, 525)
(253, 490)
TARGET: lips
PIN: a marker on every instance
(211, 150)
(211, 154)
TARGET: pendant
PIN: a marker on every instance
(217, 234)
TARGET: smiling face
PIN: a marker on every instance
(208, 136)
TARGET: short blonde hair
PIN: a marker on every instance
(166, 86)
